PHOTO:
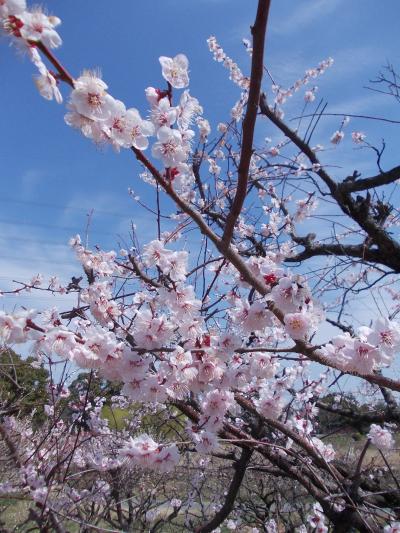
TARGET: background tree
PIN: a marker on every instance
(23, 387)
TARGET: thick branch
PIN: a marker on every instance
(374, 181)
(222, 514)
(141, 274)
(356, 417)
(347, 250)
(257, 67)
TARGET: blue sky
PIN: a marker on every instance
(51, 177)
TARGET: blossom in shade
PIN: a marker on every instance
(270, 405)
(394, 527)
(145, 452)
(316, 519)
(326, 450)
(382, 438)
(205, 441)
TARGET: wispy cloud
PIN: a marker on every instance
(29, 182)
(305, 14)
(24, 259)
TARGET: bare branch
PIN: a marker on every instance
(257, 65)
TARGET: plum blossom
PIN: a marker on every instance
(269, 404)
(145, 452)
(235, 74)
(262, 366)
(47, 87)
(337, 137)
(167, 458)
(101, 263)
(140, 449)
(303, 425)
(169, 147)
(126, 128)
(36, 26)
(254, 317)
(305, 208)
(90, 99)
(326, 450)
(394, 527)
(180, 357)
(273, 151)
(152, 331)
(40, 495)
(114, 125)
(88, 127)
(358, 137)
(381, 438)
(11, 7)
(175, 70)
(217, 403)
(162, 342)
(204, 129)
(385, 334)
(99, 296)
(270, 527)
(362, 356)
(298, 325)
(15, 328)
(163, 114)
(188, 108)
(205, 441)
(316, 519)
(290, 295)
(154, 253)
(309, 96)
(171, 263)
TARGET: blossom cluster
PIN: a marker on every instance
(26, 28)
(281, 94)
(382, 438)
(101, 117)
(372, 349)
(145, 452)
